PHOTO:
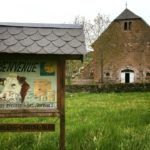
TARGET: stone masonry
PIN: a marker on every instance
(122, 51)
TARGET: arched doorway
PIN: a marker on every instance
(127, 76)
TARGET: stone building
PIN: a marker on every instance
(122, 51)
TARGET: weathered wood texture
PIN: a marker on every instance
(27, 127)
(28, 113)
(61, 104)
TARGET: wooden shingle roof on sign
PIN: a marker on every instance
(33, 38)
(127, 14)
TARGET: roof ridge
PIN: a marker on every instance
(41, 25)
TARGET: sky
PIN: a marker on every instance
(64, 11)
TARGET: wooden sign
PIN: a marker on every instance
(28, 86)
(32, 71)
(32, 87)
(27, 127)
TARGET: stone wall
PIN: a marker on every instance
(87, 72)
(116, 50)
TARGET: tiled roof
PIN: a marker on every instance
(41, 38)
(127, 14)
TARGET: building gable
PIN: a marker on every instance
(125, 44)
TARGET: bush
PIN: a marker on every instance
(109, 88)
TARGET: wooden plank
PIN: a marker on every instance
(58, 85)
(28, 113)
(28, 110)
(27, 127)
(41, 56)
(61, 95)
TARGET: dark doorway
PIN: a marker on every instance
(127, 77)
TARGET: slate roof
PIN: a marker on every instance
(42, 38)
(127, 14)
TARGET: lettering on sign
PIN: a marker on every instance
(20, 66)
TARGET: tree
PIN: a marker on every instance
(92, 30)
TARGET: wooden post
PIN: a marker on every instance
(102, 66)
(61, 97)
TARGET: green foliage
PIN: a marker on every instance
(120, 87)
(72, 69)
(88, 58)
(108, 121)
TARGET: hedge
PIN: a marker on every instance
(109, 88)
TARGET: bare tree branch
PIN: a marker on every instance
(92, 29)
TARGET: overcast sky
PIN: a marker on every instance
(64, 11)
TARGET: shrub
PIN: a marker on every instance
(109, 88)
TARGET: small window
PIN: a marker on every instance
(130, 25)
(107, 74)
(127, 25)
(148, 74)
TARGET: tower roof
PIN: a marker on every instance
(127, 14)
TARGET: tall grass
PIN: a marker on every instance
(114, 121)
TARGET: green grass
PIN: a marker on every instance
(114, 121)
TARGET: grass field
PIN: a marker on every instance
(114, 121)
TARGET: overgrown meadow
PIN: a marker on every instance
(105, 121)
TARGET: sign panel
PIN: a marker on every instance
(28, 84)
(27, 127)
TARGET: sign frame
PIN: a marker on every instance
(37, 112)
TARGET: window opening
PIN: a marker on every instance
(130, 25)
(127, 25)
(107, 74)
(148, 74)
